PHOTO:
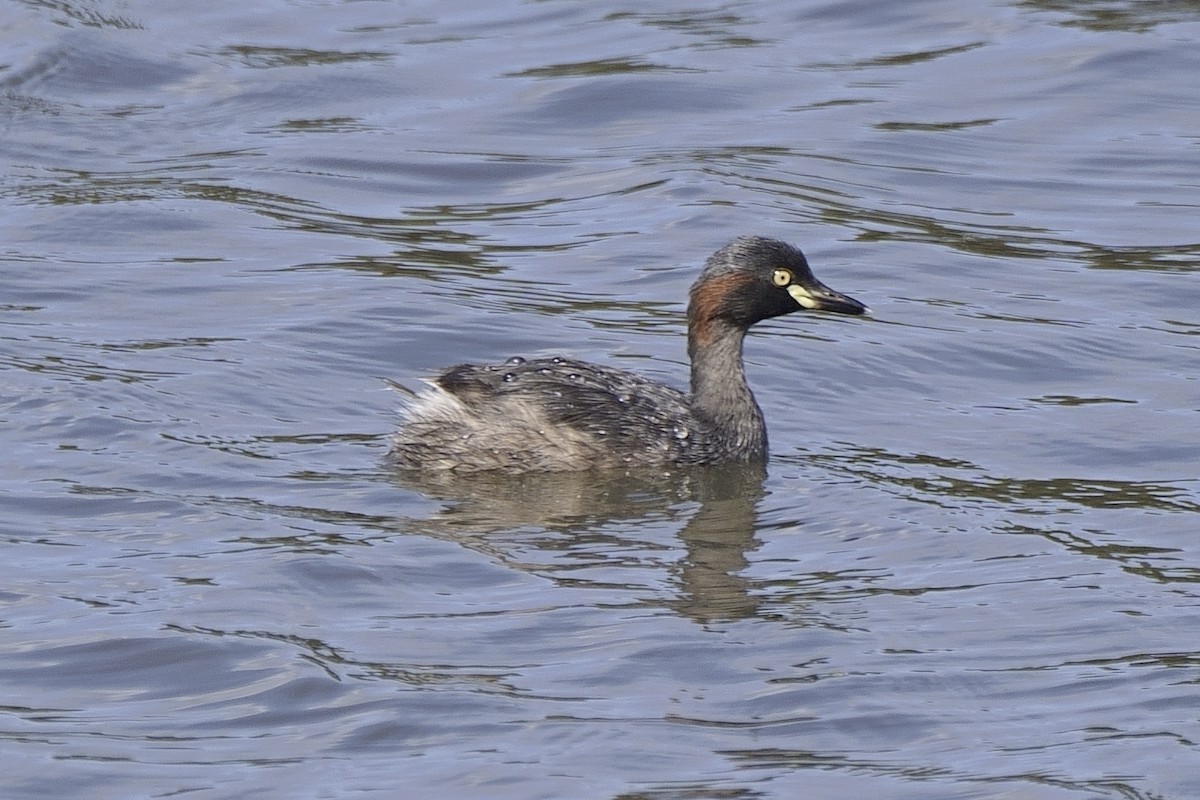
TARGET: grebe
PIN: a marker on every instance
(557, 414)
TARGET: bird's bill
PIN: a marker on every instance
(818, 297)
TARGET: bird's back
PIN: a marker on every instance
(548, 414)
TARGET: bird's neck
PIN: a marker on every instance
(721, 395)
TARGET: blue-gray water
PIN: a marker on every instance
(974, 568)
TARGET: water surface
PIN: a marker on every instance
(971, 571)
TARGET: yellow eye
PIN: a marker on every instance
(781, 277)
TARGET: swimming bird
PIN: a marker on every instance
(558, 414)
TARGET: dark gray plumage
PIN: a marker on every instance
(551, 414)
